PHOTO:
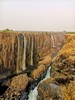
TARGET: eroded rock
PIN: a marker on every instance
(48, 90)
(20, 82)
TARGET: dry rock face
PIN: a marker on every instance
(62, 81)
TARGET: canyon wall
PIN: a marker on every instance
(61, 84)
(18, 50)
(57, 40)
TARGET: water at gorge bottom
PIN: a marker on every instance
(33, 93)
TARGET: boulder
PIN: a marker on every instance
(19, 82)
(48, 90)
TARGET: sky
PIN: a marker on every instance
(37, 15)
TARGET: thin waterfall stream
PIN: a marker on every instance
(17, 68)
(24, 53)
(33, 93)
(53, 44)
(32, 52)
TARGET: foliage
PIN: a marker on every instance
(7, 30)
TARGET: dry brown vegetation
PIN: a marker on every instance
(68, 92)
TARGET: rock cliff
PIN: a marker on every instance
(61, 84)
(18, 50)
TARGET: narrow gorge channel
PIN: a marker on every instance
(33, 93)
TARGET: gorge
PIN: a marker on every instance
(33, 93)
(25, 58)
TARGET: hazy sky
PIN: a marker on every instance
(37, 15)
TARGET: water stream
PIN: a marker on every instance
(53, 44)
(18, 57)
(32, 52)
(33, 93)
(24, 54)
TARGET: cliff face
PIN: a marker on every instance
(66, 56)
(61, 85)
(38, 46)
(57, 40)
(18, 50)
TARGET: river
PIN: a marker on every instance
(33, 93)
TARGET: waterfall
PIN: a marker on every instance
(24, 53)
(21, 54)
(52, 38)
(32, 51)
(47, 75)
(18, 54)
(33, 93)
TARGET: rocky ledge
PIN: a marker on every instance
(61, 85)
(42, 66)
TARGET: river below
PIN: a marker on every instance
(33, 93)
